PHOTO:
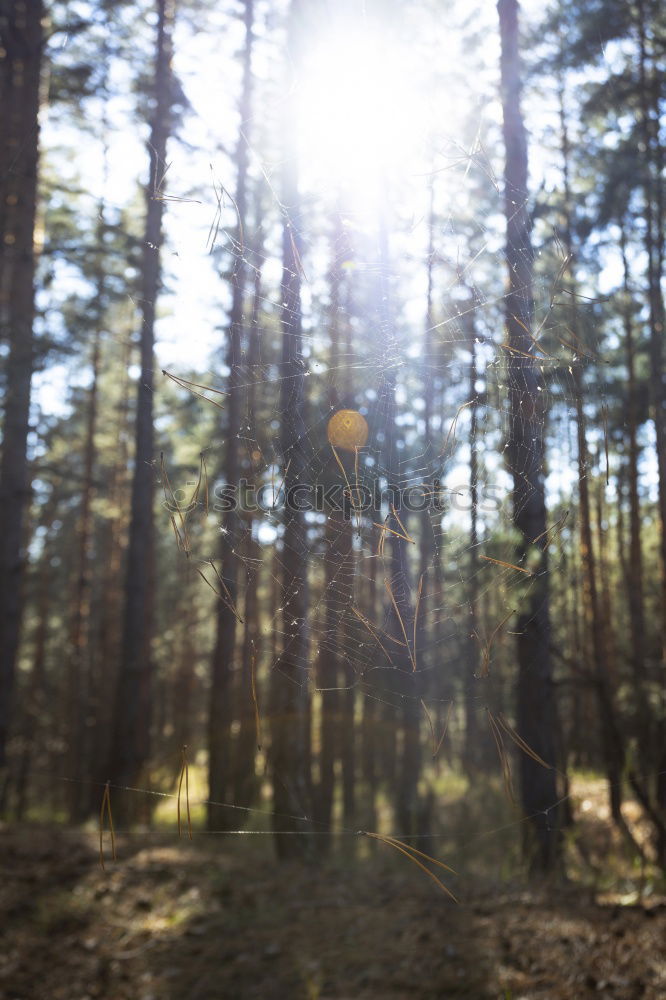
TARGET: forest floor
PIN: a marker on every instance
(220, 918)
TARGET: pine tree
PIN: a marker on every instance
(219, 736)
(21, 49)
(290, 748)
(133, 702)
(535, 693)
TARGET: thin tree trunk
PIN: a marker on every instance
(471, 662)
(427, 534)
(335, 538)
(329, 680)
(371, 720)
(184, 682)
(79, 670)
(611, 736)
(132, 711)
(536, 694)
(22, 42)
(79, 626)
(400, 601)
(34, 699)
(221, 712)
(650, 93)
(621, 541)
(108, 600)
(290, 752)
(346, 580)
(635, 563)
(248, 742)
(607, 617)
(654, 243)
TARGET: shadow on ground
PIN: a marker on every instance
(221, 920)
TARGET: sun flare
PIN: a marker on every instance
(362, 112)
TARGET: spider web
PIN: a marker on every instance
(440, 624)
(417, 607)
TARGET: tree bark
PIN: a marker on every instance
(372, 718)
(249, 740)
(79, 627)
(34, 699)
(132, 710)
(290, 751)
(635, 596)
(221, 712)
(535, 695)
(21, 42)
(650, 74)
(107, 606)
(654, 249)
(401, 604)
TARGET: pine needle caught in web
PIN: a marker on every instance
(275, 493)
(508, 565)
(385, 529)
(486, 647)
(532, 337)
(255, 702)
(503, 756)
(203, 470)
(417, 608)
(350, 493)
(106, 808)
(520, 742)
(184, 773)
(559, 524)
(219, 192)
(223, 593)
(405, 533)
(451, 436)
(389, 590)
(516, 350)
(437, 743)
(577, 347)
(411, 852)
(192, 387)
(176, 515)
(373, 632)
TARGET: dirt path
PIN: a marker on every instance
(219, 919)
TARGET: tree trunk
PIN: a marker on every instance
(536, 695)
(428, 533)
(107, 607)
(372, 719)
(635, 562)
(221, 713)
(611, 735)
(290, 751)
(249, 740)
(401, 603)
(652, 159)
(34, 700)
(337, 678)
(247, 744)
(654, 249)
(22, 42)
(132, 710)
(79, 626)
(471, 663)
